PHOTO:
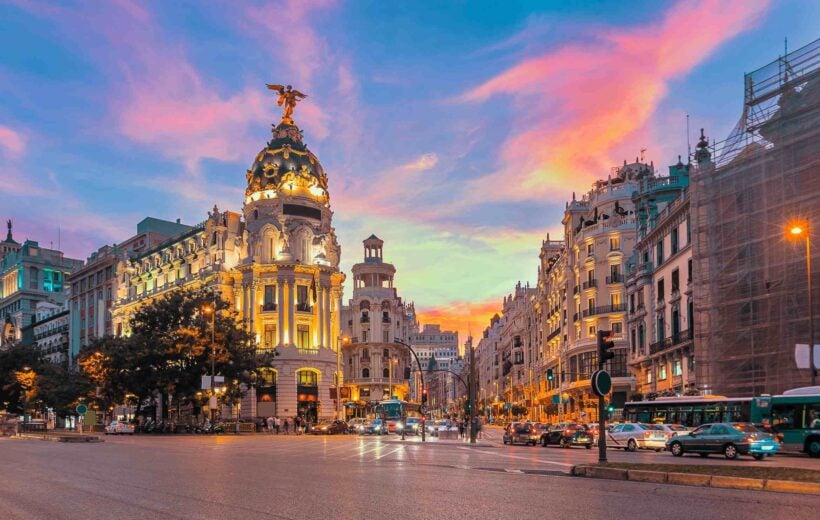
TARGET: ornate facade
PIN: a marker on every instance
(375, 366)
(277, 262)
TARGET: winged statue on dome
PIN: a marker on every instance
(287, 97)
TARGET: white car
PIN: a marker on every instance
(632, 436)
(357, 425)
(672, 430)
(119, 427)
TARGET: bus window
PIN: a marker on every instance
(787, 416)
(814, 416)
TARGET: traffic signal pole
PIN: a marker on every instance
(605, 345)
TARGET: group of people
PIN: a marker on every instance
(275, 425)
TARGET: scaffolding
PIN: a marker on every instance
(750, 295)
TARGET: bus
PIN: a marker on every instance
(394, 410)
(795, 415)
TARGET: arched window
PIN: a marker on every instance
(386, 372)
(365, 372)
(364, 305)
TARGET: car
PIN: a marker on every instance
(672, 430)
(567, 435)
(329, 427)
(521, 433)
(376, 427)
(631, 436)
(730, 439)
(410, 426)
(357, 424)
(119, 428)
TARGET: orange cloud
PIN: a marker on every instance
(462, 316)
(579, 105)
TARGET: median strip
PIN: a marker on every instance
(778, 479)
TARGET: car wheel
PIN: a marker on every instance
(564, 443)
(758, 456)
(631, 445)
(730, 451)
(677, 449)
(589, 446)
(544, 442)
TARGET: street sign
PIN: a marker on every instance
(601, 383)
(556, 399)
(81, 409)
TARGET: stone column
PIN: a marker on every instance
(327, 303)
(245, 313)
(320, 313)
(280, 306)
(251, 310)
(291, 304)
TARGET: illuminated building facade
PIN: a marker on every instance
(375, 316)
(277, 262)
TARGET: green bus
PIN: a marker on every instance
(795, 415)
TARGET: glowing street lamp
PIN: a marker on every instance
(799, 230)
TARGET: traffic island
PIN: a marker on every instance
(779, 479)
(60, 437)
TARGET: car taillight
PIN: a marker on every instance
(750, 438)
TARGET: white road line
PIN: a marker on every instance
(386, 454)
(361, 453)
(541, 461)
(514, 471)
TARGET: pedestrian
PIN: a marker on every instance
(270, 423)
(460, 429)
(287, 425)
(297, 425)
(276, 424)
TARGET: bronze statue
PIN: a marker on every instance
(287, 97)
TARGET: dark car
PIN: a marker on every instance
(730, 439)
(376, 427)
(521, 433)
(329, 428)
(567, 435)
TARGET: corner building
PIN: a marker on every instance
(277, 262)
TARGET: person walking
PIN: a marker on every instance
(276, 424)
(460, 429)
(297, 425)
(287, 425)
(269, 422)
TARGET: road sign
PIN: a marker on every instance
(81, 409)
(601, 383)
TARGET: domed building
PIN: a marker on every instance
(277, 262)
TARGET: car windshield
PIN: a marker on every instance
(411, 420)
(745, 427)
(678, 428)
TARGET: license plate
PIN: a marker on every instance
(767, 448)
(583, 439)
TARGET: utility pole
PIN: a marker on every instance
(472, 392)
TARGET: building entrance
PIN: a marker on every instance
(307, 395)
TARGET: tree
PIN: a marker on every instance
(13, 387)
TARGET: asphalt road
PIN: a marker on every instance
(342, 477)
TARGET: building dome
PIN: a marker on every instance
(285, 161)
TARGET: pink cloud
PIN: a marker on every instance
(580, 107)
(464, 317)
(12, 143)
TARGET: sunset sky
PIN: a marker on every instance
(454, 131)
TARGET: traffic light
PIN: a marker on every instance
(424, 396)
(550, 375)
(605, 346)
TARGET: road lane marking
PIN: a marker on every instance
(386, 454)
(531, 459)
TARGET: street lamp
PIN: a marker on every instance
(343, 340)
(421, 376)
(211, 310)
(796, 231)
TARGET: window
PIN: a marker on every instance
(632, 340)
(689, 270)
(591, 304)
(366, 353)
(385, 353)
(386, 372)
(307, 378)
(674, 241)
(614, 243)
(660, 290)
(302, 295)
(591, 331)
(660, 331)
(269, 303)
(364, 336)
(615, 299)
(271, 340)
(617, 328)
(303, 337)
(590, 249)
(659, 252)
(386, 336)
(632, 302)
(675, 281)
(677, 368)
(648, 376)
(365, 372)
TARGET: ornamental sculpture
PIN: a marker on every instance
(287, 97)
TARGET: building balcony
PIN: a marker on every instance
(589, 284)
(304, 307)
(604, 309)
(554, 333)
(385, 319)
(307, 351)
(364, 319)
(575, 317)
(268, 307)
(615, 278)
(672, 341)
(575, 289)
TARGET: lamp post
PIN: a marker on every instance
(797, 231)
(212, 311)
(421, 376)
(343, 340)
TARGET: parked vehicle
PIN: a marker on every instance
(357, 424)
(119, 428)
(521, 433)
(632, 436)
(730, 439)
(329, 428)
(567, 435)
(672, 430)
(376, 427)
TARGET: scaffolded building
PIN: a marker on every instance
(750, 291)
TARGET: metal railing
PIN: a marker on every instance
(604, 309)
(615, 278)
(589, 284)
(673, 340)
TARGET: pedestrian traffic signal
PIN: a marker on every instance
(605, 346)
(550, 376)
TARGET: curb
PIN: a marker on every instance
(695, 479)
(60, 438)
